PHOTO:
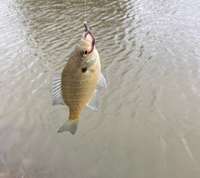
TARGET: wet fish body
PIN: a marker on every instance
(78, 86)
(79, 80)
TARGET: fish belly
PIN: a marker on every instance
(77, 91)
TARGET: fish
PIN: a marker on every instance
(80, 82)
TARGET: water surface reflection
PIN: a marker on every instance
(148, 125)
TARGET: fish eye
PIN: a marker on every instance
(85, 52)
(84, 69)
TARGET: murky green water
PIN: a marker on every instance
(149, 122)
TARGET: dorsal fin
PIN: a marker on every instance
(56, 90)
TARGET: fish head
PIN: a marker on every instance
(86, 47)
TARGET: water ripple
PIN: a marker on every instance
(150, 53)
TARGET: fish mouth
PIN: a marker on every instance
(88, 33)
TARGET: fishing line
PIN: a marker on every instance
(85, 11)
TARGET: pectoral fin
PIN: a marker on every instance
(93, 104)
(102, 83)
(94, 101)
(56, 90)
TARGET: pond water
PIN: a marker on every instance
(148, 125)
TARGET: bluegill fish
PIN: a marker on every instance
(78, 84)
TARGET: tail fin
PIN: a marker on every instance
(69, 125)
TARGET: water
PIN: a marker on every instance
(148, 124)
